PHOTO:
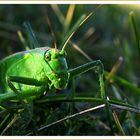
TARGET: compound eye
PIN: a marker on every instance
(47, 56)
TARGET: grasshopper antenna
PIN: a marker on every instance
(81, 20)
(51, 31)
(31, 35)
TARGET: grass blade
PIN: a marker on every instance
(31, 35)
(70, 116)
(69, 16)
(135, 29)
(118, 123)
(58, 13)
(131, 87)
(4, 120)
(22, 40)
(115, 68)
(128, 108)
(10, 124)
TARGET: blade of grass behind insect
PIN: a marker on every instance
(129, 61)
(124, 106)
(80, 50)
(51, 30)
(131, 118)
(4, 120)
(70, 116)
(87, 36)
(118, 123)
(114, 68)
(135, 30)
(58, 13)
(31, 35)
(23, 120)
(109, 116)
(113, 71)
(69, 16)
(121, 81)
(22, 40)
(116, 91)
(10, 124)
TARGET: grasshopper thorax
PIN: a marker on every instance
(56, 68)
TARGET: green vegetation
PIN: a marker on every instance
(111, 34)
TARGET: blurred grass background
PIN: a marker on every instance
(107, 35)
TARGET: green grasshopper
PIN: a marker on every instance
(27, 75)
(31, 73)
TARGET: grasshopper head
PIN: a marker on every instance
(56, 69)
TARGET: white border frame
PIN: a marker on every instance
(68, 2)
(69, 137)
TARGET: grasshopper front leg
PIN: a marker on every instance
(23, 97)
(18, 94)
(88, 66)
(25, 81)
(24, 102)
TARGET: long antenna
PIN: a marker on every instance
(81, 20)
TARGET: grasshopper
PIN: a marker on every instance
(29, 74)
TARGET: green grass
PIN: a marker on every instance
(111, 33)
